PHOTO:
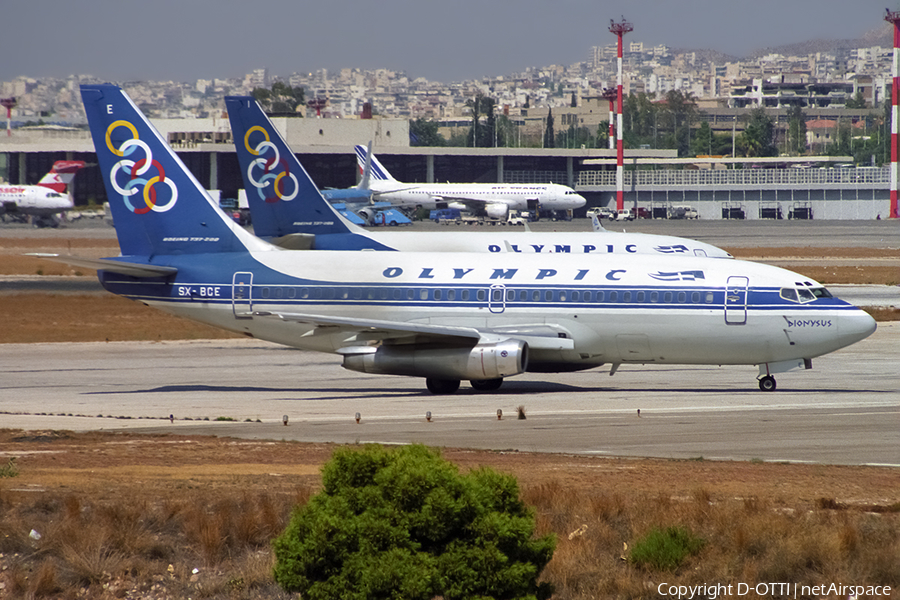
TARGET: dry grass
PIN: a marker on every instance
(142, 532)
(34, 317)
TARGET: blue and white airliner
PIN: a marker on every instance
(449, 316)
(289, 210)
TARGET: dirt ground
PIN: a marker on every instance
(102, 464)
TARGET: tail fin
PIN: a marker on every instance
(366, 170)
(283, 198)
(61, 175)
(157, 204)
(379, 173)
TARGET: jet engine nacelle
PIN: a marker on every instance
(365, 214)
(497, 210)
(484, 361)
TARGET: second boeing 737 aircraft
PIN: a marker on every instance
(445, 317)
(289, 210)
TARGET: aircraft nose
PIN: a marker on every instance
(855, 326)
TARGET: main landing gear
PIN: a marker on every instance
(449, 386)
(767, 383)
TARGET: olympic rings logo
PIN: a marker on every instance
(269, 158)
(136, 170)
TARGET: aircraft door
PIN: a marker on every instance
(242, 295)
(736, 300)
(699, 252)
(497, 298)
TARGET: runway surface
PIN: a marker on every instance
(844, 411)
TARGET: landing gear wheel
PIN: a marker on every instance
(486, 385)
(767, 383)
(441, 386)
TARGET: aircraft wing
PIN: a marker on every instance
(539, 336)
(110, 264)
(384, 331)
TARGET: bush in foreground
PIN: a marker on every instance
(406, 524)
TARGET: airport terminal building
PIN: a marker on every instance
(802, 188)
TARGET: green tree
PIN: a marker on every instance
(675, 117)
(483, 135)
(405, 524)
(549, 135)
(856, 101)
(759, 135)
(640, 116)
(423, 132)
(282, 98)
(796, 130)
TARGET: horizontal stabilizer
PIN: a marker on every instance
(108, 264)
(295, 241)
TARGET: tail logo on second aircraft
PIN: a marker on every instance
(269, 158)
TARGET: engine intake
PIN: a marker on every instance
(484, 361)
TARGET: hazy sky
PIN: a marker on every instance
(451, 40)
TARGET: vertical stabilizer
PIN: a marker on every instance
(378, 172)
(157, 204)
(61, 175)
(283, 197)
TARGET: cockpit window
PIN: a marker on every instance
(789, 294)
(803, 295)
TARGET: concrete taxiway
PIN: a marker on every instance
(844, 411)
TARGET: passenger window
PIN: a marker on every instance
(304, 292)
(548, 295)
(265, 292)
(626, 297)
(575, 296)
(481, 295)
(709, 297)
(562, 296)
(398, 294)
(536, 296)
(279, 292)
(601, 296)
(496, 295)
(465, 294)
(682, 296)
(410, 294)
(451, 294)
(292, 293)
(640, 296)
(523, 295)
(437, 294)
(317, 293)
(667, 297)
(613, 296)
(587, 296)
(510, 295)
(695, 297)
(654, 296)
(423, 294)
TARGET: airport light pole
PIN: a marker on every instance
(9, 103)
(620, 29)
(894, 19)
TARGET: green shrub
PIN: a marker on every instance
(665, 549)
(9, 469)
(405, 524)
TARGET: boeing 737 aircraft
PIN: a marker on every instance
(492, 199)
(445, 317)
(42, 202)
(289, 210)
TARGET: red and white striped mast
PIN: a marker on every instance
(620, 29)
(611, 95)
(894, 18)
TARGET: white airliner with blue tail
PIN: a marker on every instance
(445, 317)
(289, 210)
